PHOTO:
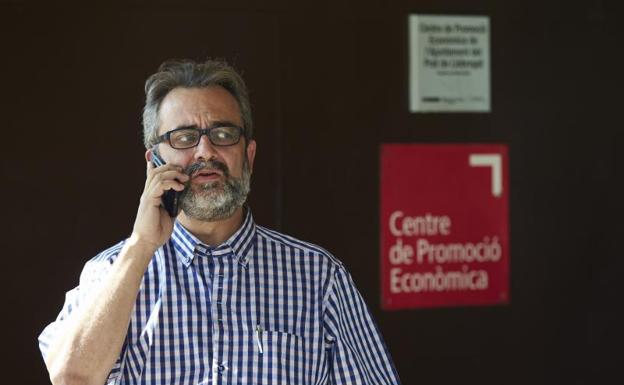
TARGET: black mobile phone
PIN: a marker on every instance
(171, 197)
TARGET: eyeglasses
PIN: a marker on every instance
(187, 137)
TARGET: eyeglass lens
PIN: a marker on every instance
(219, 136)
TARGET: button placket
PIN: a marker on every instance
(219, 279)
(222, 267)
(205, 265)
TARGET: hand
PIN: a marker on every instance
(153, 225)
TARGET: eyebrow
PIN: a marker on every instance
(218, 123)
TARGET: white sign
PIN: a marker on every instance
(449, 63)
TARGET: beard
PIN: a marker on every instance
(217, 200)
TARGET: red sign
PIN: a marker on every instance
(444, 225)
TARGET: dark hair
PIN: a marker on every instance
(190, 74)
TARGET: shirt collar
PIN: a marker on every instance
(186, 245)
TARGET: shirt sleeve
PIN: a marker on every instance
(91, 277)
(357, 353)
(52, 330)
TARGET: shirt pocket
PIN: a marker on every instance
(279, 358)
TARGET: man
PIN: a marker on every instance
(209, 296)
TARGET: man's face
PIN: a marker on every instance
(221, 183)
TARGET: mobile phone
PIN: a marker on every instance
(170, 198)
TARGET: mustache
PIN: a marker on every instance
(211, 164)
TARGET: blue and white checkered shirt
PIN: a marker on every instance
(262, 308)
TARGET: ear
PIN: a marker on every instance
(148, 155)
(251, 154)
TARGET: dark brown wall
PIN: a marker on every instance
(328, 83)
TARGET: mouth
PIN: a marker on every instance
(206, 175)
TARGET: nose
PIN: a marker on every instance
(205, 150)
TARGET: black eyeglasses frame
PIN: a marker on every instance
(202, 131)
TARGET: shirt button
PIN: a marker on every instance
(221, 368)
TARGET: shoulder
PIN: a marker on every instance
(99, 265)
(296, 247)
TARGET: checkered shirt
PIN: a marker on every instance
(262, 308)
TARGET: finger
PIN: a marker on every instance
(148, 172)
(173, 174)
(154, 172)
(157, 190)
(168, 166)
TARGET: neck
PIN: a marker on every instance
(213, 233)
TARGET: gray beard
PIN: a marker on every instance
(218, 200)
